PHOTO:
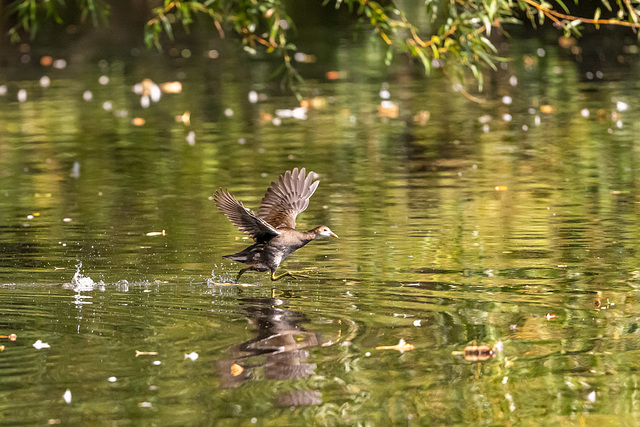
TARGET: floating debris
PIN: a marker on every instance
(584, 112)
(146, 353)
(59, 64)
(75, 170)
(501, 188)
(103, 80)
(45, 81)
(236, 369)
(184, 118)
(299, 113)
(191, 138)
(149, 89)
(228, 112)
(66, 220)
(402, 346)
(171, 87)
(87, 95)
(193, 356)
(547, 109)
(39, 345)
(107, 106)
(265, 117)
(304, 58)
(507, 100)
(157, 362)
(112, 379)
(156, 233)
(417, 323)
(144, 405)
(622, 106)
(253, 97)
(3, 90)
(315, 102)
(138, 121)
(388, 109)
(22, 95)
(550, 316)
(46, 61)
(67, 396)
(11, 337)
(335, 75)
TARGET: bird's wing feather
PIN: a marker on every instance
(242, 217)
(288, 197)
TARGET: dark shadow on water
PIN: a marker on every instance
(277, 352)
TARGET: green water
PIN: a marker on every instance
(519, 230)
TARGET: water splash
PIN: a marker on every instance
(80, 283)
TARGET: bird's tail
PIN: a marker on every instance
(244, 255)
(240, 257)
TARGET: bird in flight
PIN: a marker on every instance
(273, 227)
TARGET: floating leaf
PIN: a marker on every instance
(236, 369)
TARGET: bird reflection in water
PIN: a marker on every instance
(278, 352)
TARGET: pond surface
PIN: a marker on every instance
(509, 229)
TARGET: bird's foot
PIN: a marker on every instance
(292, 274)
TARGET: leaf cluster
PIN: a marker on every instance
(457, 35)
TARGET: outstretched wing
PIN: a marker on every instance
(288, 197)
(242, 217)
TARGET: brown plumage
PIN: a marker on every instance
(273, 227)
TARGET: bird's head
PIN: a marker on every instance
(323, 231)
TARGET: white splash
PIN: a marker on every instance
(79, 283)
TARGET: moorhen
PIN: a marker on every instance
(273, 227)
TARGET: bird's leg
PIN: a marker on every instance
(241, 272)
(292, 274)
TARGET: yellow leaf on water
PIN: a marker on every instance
(236, 369)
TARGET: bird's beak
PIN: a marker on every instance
(333, 235)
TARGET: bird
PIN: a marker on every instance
(273, 226)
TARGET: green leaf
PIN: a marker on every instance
(564, 7)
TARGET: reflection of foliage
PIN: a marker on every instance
(456, 34)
